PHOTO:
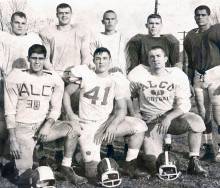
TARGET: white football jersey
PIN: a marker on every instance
(97, 94)
(66, 48)
(14, 49)
(115, 43)
(31, 98)
(159, 94)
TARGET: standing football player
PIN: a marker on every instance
(164, 98)
(139, 45)
(202, 47)
(14, 45)
(99, 91)
(66, 44)
(112, 40)
(33, 99)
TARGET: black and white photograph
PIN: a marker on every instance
(109, 93)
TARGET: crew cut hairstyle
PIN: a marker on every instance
(109, 11)
(101, 50)
(63, 5)
(158, 47)
(18, 13)
(203, 7)
(154, 16)
(38, 49)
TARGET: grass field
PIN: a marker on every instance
(179, 147)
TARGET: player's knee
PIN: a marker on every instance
(196, 123)
(138, 125)
(72, 130)
(91, 169)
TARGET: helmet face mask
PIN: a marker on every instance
(168, 172)
(108, 173)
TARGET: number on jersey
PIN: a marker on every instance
(93, 95)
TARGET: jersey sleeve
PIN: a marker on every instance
(122, 86)
(84, 37)
(56, 98)
(132, 51)
(47, 41)
(134, 77)
(174, 49)
(182, 97)
(11, 95)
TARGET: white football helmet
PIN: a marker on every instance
(108, 174)
(43, 177)
(168, 166)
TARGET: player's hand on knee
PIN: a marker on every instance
(164, 125)
(98, 138)
(43, 133)
(110, 132)
(15, 149)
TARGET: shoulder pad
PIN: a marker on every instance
(47, 72)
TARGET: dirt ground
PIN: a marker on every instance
(179, 147)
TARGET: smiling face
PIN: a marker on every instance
(157, 59)
(37, 62)
(64, 16)
(19, 25)
(102, 62)
(154, 26)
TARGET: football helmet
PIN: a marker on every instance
(167, 166)
(108, 174)
(43, 177)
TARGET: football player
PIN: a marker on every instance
(115, 41)
(14, 45)
(33, 99)
(67, 44)
(164, 105)
(139, 45)
(202, 47)
(99, 91)
(13, 52)
(111, 39)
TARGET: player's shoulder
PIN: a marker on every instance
(192, 32)
(171, 38)
(17, 74)
(138, 37)
(177, 73)
(215, 28)
(48, 31)
(80, 30)
(138, 72)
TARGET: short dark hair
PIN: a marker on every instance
(109, 11)
(63, 5)
(157, 47)
(154, 16)
(203, 7)
(18, 13)
(37, 48)
(101, 50)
